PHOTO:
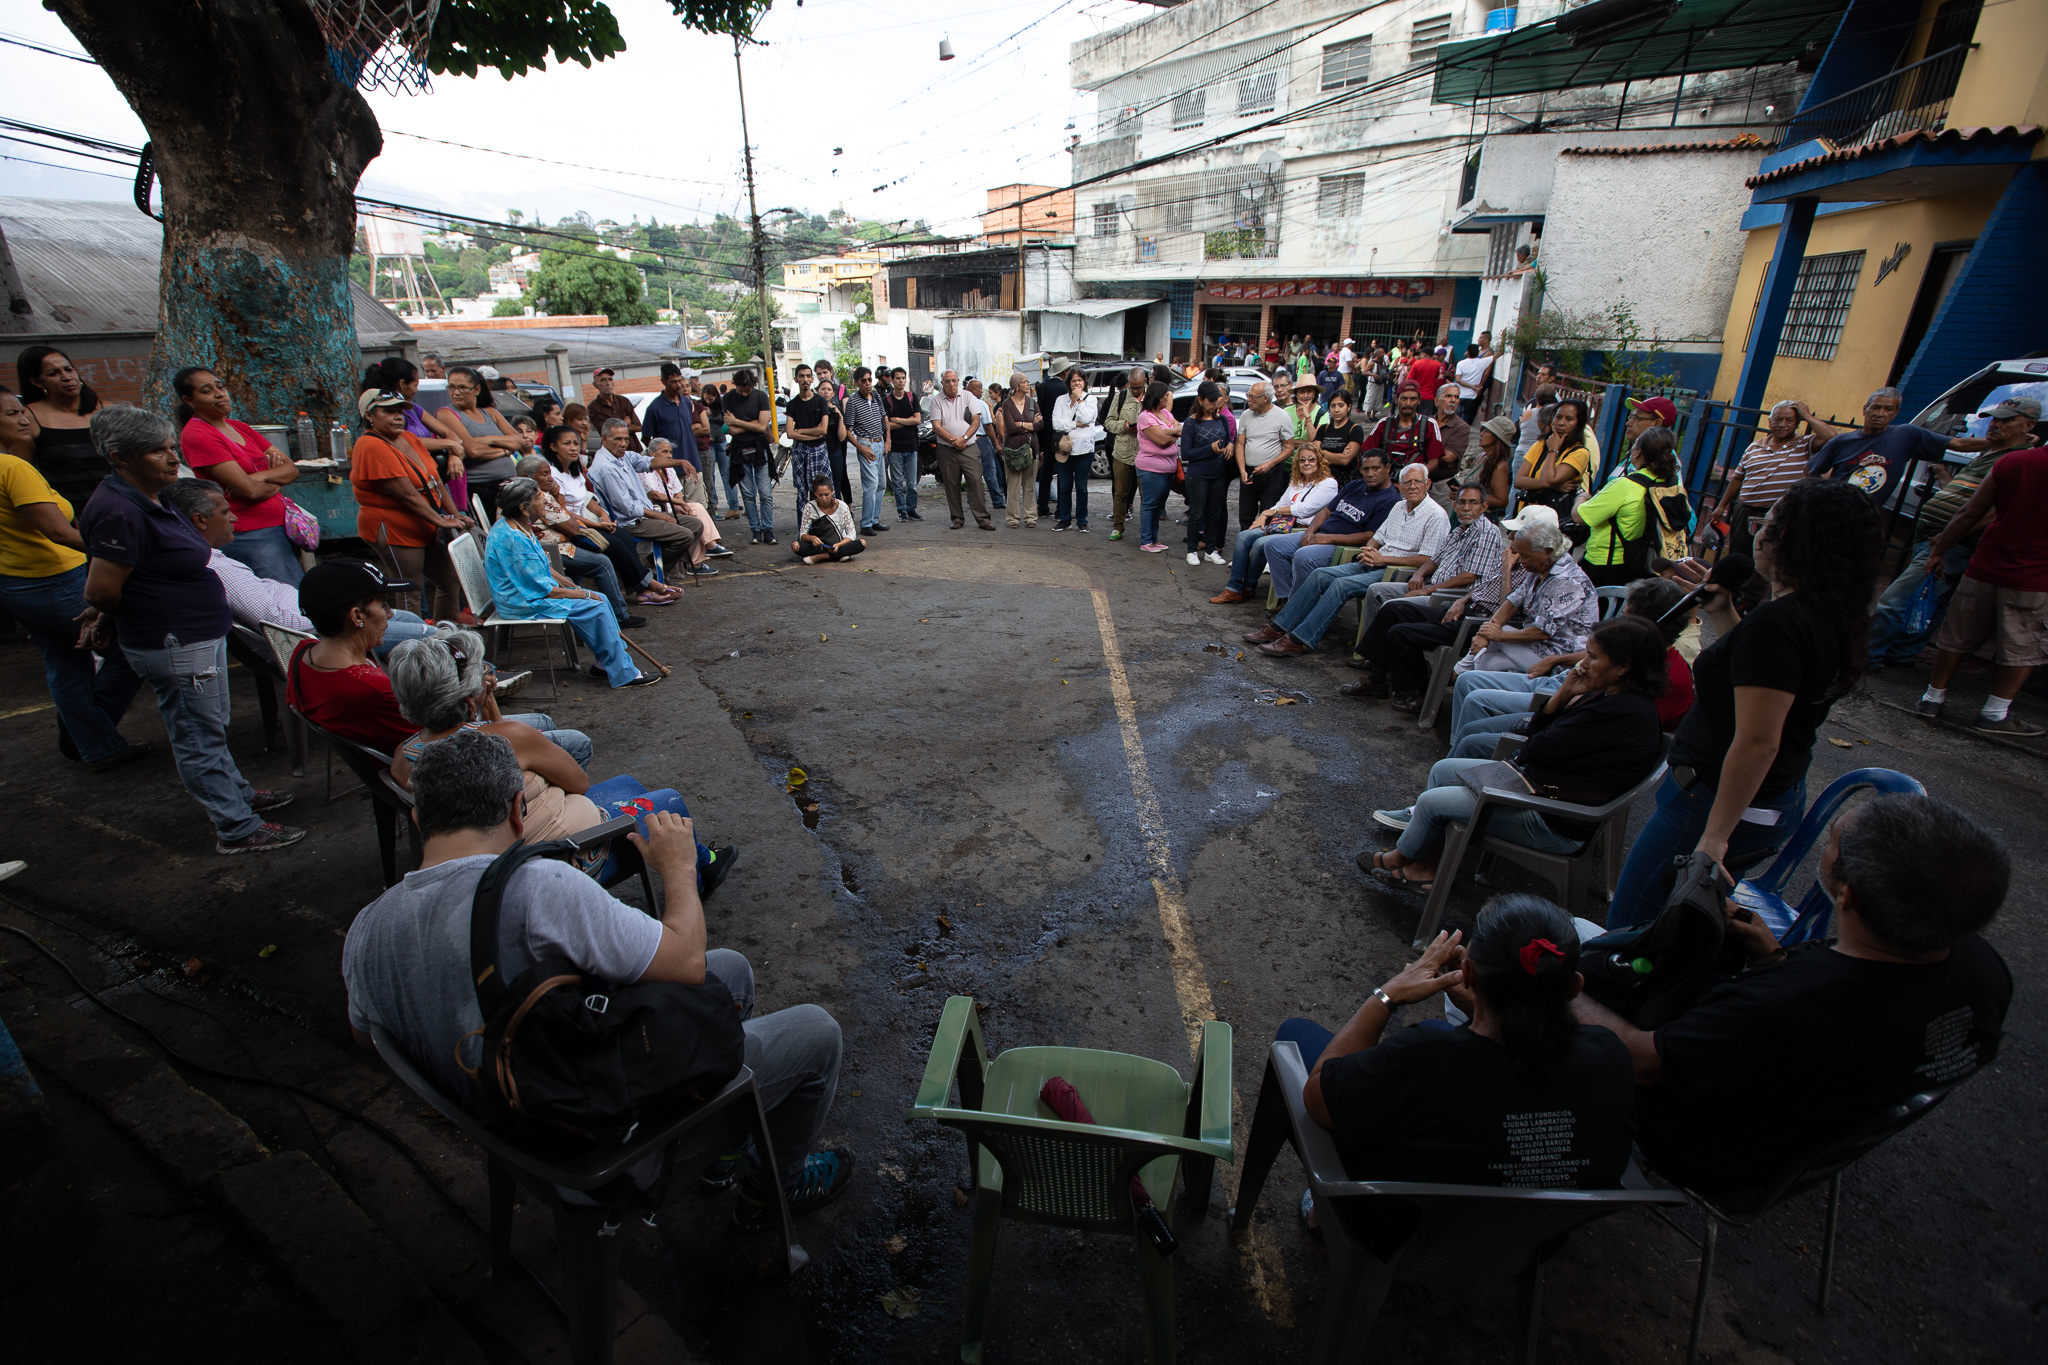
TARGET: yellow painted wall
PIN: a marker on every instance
(1877, 314)
(2005, 80)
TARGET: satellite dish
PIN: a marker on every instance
(860, 310)
(1271, 162)
(1126, 202)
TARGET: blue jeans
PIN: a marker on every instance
(1289, 563)
(1890, 641)
(732, 485)
(1480, 737)
(1248, 559)
(1468, 685)
(991, 471)
(191, 686)
(1072, 481)
(1448, 799)
(757, 489)
(1321, 596)
(403, 626)
(872, 476)
(1681, 818)
(89, 704)
(268, 553)
(574, 742)
(903, 482)
(624, 795)
(579, 564)
(1152, 491)
(595, 626)
(1311, 1038)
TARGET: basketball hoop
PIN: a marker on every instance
(378, 44)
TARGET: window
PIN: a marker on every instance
(1424, 36)
(1190, 107)
(1820, 305)
(1340, 196)
(1347, 63)
(1256, 94)
(1105, 220)
(1176, 212)
(1128, 121)
(1500, 248)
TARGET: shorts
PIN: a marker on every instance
(1980, 610)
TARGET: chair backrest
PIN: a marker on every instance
(366, 763)
(469, 567)
(1061, 1173)
(254, 649)
(1822, 813)
(282, 641)
(1611, 601)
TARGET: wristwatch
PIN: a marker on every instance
(1380, 994)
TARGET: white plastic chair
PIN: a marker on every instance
(476, 589)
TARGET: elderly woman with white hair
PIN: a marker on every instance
(554, 525)
(679, 490)
(443, 686)
(525, 586)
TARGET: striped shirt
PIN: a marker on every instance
(864, 417)
(1767, 473)
(256, 601)
(1480, 548)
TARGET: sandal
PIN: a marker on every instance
(1396, 877)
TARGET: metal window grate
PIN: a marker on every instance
(1340, 196)
(1346, 64)
(1820, 305)
(1257, 94)
(1425, 35)
(1500, 248)
(1105, 220)
(1190, 108)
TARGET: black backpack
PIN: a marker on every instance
(1667, 520)
(1652, 974)
(571, 1065)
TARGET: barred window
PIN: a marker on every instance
(1176, 212)
(1256, 94)
(1500, 248)
(1425, 35)
(1340, 196)
(1346, 64)
(1820, 305)
(1190, 107)
(1105, 220)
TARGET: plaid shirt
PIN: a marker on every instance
(1481, 549)
(1561, 604)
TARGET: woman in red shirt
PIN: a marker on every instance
(248, 468)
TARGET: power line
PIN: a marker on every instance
(547, 161)
(46, 48)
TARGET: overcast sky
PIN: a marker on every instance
(861, 75)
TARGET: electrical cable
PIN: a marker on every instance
(397, 1143)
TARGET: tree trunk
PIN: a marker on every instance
(258, 147)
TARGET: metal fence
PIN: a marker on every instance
(1909, 98)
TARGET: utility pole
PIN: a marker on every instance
(760, 255)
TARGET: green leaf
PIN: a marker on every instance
(514, 37)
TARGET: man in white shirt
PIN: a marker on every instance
(1345, 355)
(1263, 433)
(991, 471)
(1475, 371)
(957, 418)
(1409, 538)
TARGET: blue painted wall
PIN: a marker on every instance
(1464, 304)
(1866, 45)
(1992, 311)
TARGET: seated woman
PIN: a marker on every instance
(526, 587)
(828, 527)
(443, 685)
(567, 506)
(1595, 737)
(1457, 1106)
(678, 490)
(1310, 488)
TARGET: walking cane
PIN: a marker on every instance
(661, 667)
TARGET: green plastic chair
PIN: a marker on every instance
(1345, 554)
(1358, 636)
(1034, 1168)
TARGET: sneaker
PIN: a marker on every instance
(1194, 558)
(1395, 819)
(127, 755)
(912, 514)
(878, 528)
(706, 571)
(2011, 726)
(1214, 558)
(633, 623)
(1082, 529)
(1116, 535)
(1152, 549)
(1929, 709)
(713, 874)
(732, 514)
(767, 538)
(1062, 526)
(723, 1173)
(266, 838)
(645, 680)
(824, 1178)
(717, 552)
(261, 801)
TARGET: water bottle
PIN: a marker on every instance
(338, 440)
(305, 437)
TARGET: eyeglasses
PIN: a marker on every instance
(455, 653)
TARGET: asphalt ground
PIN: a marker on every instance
(1036, 773)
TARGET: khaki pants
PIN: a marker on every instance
(431, 567)
(1123, 490)
(1019, 488)
(955, 465)
(678, 540)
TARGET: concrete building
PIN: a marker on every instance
(1049, 217)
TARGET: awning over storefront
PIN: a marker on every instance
(1612, 41)
(1097, 308)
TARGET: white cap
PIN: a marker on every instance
(1531, 516)
(487, 371)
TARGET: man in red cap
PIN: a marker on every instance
(1644, 413)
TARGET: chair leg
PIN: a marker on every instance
(295, 741)
(793, 1256)
(266, 705)
(1446, 873)
(1358, 1286)
(981, 1265)
(503, 1189)
(590, 1276)
(1699, 1298)
(1528, 1313)
(1155, 1274)
(1827, 1246)
(1268, 1133)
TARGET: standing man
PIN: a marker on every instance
(1120, 420)
(902, 413)
(1425, 372)
(710, 405)
(1263, 453)
(2004, 592)
(432, 366)
(1773, 463)
(991, 470)
(805, 421)
(1878, 455)
(956, 423)
(669, 415)
(1449, 468)
(609, 405)
(746, 417)
(1474, 372)
(1345, 355)
(834, 395)
(867, 427)
(1051, 387)
(1407, 437)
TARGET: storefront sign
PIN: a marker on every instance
(1340, 289)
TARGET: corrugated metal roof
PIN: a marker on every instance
(1947, 137)
(1096, 308)
(88, 267)
(586, 350)
(1747, 142)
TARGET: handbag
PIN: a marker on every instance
(1652, 974)
(1017, 459)
(301, 527)
(1920, 614)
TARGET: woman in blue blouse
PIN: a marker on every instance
(525, 586)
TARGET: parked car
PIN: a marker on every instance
(1964, 411)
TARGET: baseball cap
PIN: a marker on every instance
(488, 371)
(370, 399)
(1531, 516)
(1663, 409)
(1504, 429)
(1348, 342)
(603, 370)
(2029, 408)
(333, 584)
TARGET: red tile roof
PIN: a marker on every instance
(1946, 137)
(1745, 142)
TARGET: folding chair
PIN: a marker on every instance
(1443, 667)
(1571, 874)
(1462, 1232)
(476, 588)
(1393, 576)
(254, 652)
(1764, 894)
(1611, 601)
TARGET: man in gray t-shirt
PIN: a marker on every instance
(1263, 431)
(406, 960)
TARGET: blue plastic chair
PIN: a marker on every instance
(1764, 895)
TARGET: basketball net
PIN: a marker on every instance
(378, 44)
